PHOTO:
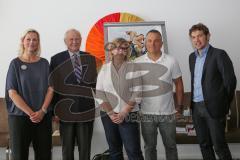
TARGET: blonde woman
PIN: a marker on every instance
(28, 97)
(116, 77)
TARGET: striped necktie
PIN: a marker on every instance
(77, 68)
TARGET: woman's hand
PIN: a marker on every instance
(114, 117)
(122, 115)
(118, 118)
(37, 117)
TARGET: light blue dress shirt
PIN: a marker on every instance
(198, 71)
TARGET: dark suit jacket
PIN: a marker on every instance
(218, 81)
(66, 85)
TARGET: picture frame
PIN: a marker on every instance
(135, 33)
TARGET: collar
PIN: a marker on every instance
(72, 54)
(204, 51)
(159, 60)
(122, 66)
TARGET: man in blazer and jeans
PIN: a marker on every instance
(213, 83)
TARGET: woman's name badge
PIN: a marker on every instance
(23, 67)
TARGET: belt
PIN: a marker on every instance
(199, 103)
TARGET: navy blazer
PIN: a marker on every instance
(63, 79)
(218, 81)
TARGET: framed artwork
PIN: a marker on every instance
(135, 33)
(95, 38)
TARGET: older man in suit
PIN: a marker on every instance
(73, 74)
(213, 83)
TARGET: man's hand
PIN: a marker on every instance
(179, 112)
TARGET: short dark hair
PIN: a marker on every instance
(199, 27)
(154, 31)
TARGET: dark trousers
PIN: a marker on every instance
(23, 132)
(127, 133)
(80, 132)
(210, 133)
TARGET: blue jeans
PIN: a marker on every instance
(127, 134)
(167, 128)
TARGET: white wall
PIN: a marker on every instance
(53, 17)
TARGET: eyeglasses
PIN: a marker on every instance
(111, 46)
(122, 48)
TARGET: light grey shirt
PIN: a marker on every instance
(123, 84)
